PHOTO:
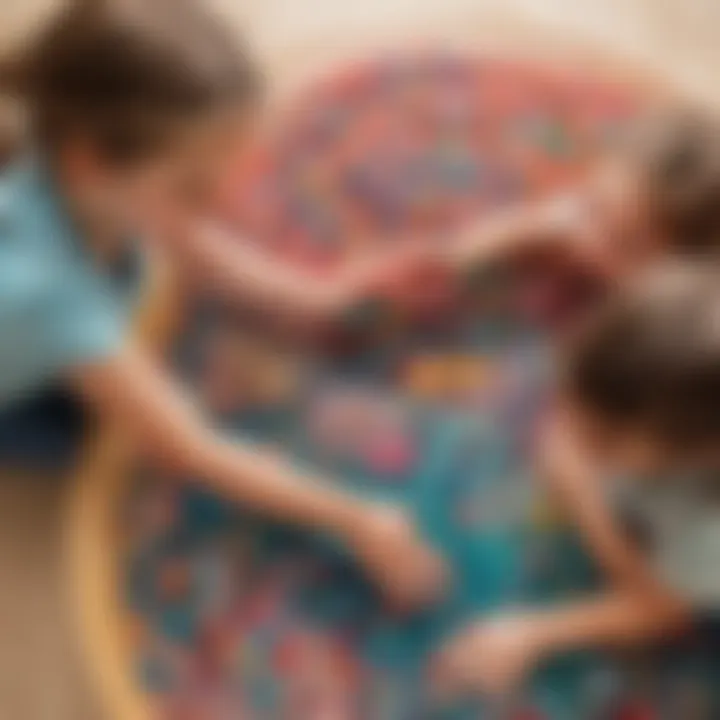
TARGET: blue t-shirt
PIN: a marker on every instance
(58, 309)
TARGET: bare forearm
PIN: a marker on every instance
(130, 390)
(271, 487)
(505, 236)
(495, 654)
(613, 620)
(170, 430)
(236, 269)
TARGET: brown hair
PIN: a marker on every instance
(678, 154)
(651, 358)
(127, 73)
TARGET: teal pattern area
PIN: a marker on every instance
(237, 618)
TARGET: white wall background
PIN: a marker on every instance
(680, 37)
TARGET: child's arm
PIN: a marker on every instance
(559, 224)
(130, 390)
(241, 271)
(574, 480)
(495, 655)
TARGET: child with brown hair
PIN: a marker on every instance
(656, 191)
(640, 398)
(132, 104)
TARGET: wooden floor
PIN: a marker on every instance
(40, 676)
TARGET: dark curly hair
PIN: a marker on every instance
(650, 360)
(129, 74)
(678, 154)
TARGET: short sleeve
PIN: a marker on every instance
(50, 322)
(58, 309)
(81, 323)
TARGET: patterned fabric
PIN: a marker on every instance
(231, 617)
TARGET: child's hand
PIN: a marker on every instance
(410, 275)
(491, 658)
(407, 570)
(574, 223)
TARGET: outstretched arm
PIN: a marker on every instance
(132, 391)
(494, 656)
(241, 271)
(516, 231)
(505, 235)
(560, 226)
(616, 619)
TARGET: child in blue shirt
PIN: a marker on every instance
(131, 105)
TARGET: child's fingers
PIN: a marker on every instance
(462, 668)
(410, 277)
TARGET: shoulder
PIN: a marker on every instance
(43, 277)
(32, 215)
(37, 255)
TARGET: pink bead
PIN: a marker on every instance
(391, 456)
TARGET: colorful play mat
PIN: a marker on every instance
(231, 617)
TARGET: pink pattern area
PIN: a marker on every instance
(414, 146)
